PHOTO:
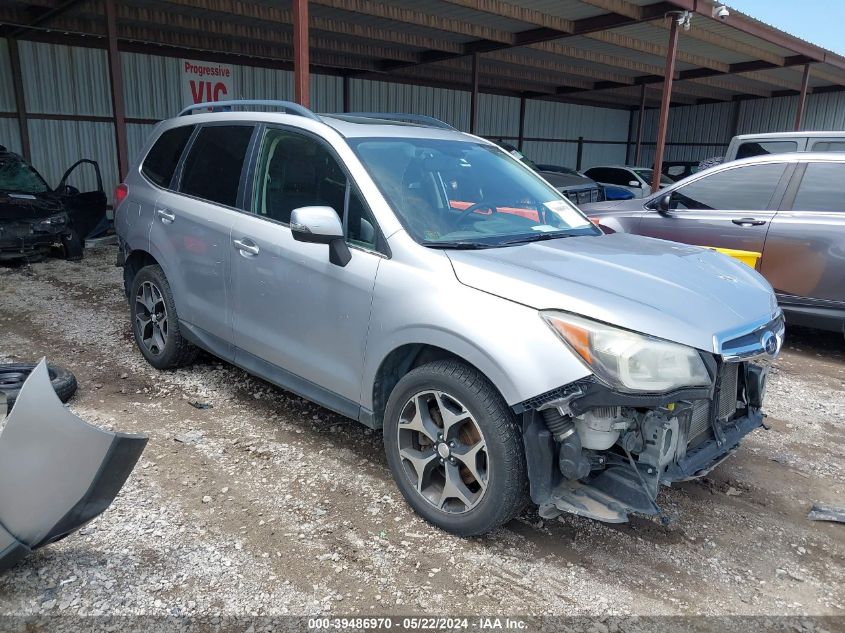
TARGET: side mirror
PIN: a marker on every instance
(69, 191)
(634, 183)
(321, 225)
(664, 204)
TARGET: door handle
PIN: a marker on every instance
(246, 246)
(748, 222)
(165, 216)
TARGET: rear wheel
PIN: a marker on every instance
(454, 448)
(155, 323)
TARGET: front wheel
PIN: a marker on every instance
(454, 449)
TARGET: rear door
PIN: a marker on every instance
(192, 225)
(804, 256)
(730, 208)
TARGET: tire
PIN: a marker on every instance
(160, 340)
(13, 375)
(479, 417)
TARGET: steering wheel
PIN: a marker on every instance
(472, 209)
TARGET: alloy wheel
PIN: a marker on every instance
(151, 317)
(443, 451)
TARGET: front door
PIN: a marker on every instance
(730, 208)
(87, 207)
(294, 310)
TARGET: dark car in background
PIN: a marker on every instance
(574, 185)
(36, 220)
(788, 208)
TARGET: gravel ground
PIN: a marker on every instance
(266, 504)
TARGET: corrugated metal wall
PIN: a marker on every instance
(713, 123)
(710, 126)
(74, 82)
(546, 119)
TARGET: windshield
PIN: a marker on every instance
(648, 174)
(16, 176)
(461, 194)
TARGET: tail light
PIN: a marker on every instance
(120, 193)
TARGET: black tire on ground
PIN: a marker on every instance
(73, 246)
(13, 375)
(507, 481)
(178, 351)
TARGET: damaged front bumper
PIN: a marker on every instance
(602, 454)
(28, 238)
(57, 472)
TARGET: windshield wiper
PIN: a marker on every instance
(535, 238)
(460, 245)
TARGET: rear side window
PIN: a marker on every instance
(829, 146)
(748, 188)
(214, 163)
(760, 148)
(821, 188)
(161, 161)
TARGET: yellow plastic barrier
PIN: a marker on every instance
(749, 258)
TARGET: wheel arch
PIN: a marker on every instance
(135, 261)
(408, 356)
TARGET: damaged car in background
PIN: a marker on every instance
(427, 283)
(36, 220)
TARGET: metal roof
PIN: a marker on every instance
(590, 51)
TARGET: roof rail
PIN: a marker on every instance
(290, 106)
(399, 116)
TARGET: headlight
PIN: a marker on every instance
(54, 220)
(629, 361)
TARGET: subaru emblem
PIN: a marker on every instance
(770, 343)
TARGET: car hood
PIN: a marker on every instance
(26, 207)
(672, 291)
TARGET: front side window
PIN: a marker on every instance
(761, 148)
(821, 188)
(17, 176)
(464, 194)
(747, 188)
(295, 171)
(163, 157)
(214, 163)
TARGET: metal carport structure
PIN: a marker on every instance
(607, 53)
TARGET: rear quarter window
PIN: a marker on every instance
(162, 159)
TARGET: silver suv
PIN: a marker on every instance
(422, 281)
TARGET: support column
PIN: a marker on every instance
(346, 98)
(640, 124)
(521, 139)
(473, 98)
(301, 70)
(629, 138)
(802, 98)
(116, 78)
(20, 102)
(663, 120)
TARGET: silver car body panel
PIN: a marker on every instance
(480, 305)
(57, 472)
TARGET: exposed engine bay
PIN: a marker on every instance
(602, 454)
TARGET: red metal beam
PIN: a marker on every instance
(802, 97)
(473, 97)
(663, 120)
(116, 77)
(301, 70)
(20, 103)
